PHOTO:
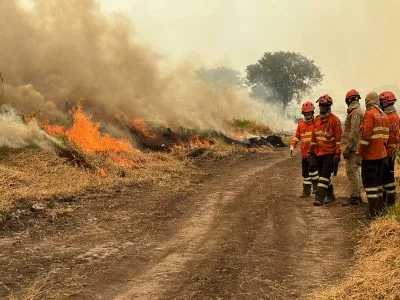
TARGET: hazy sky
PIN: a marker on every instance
(356, 43)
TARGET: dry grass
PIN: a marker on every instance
(35, 175)
(376, 274)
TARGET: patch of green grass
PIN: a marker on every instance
(250, 126)
(394, 212)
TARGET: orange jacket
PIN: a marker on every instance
(394, 127)
(326, 136)
(303, 135)
(374, 135)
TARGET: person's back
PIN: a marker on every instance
(373, 150)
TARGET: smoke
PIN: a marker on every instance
(15, 133)
(61, 51)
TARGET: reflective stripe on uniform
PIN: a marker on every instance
(307, 182)
(320, 138)
(373, 196)
(313, 173)
(306, 133)
(372, 189)
(381, 129)
(313, 143)
(392, 184)
(306, 140)
(322, 185)
(362, 142)
(391, 192)
(379, 136)
(324, 179)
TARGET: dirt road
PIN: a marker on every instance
(239, 231)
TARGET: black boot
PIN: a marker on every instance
(320, 196)
(306, 191)
(330, 196)
(372, 208)
(391, 199)
(314, 186)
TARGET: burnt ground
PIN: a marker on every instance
(239, 231)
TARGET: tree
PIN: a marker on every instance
(220, 76)
(287, 75)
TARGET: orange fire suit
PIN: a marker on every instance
(327, 134)
(303, 135)
(325, 144)
(374, 135)
(373, 150)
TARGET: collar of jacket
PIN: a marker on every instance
(377, 107)
(353, 106)
(325, 116)
(389, 109)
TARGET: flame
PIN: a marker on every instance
(196, 141)
(53, 129)
(86, 134)
(140, 126)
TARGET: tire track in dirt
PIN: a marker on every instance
(183, 246)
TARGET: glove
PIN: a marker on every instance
(291, 150)
(346, 153)
(336, 158)
(359, 160)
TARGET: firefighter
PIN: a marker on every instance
(387, 100)
(373, 151)
(303, 135)
(325, 149)
(350, 139)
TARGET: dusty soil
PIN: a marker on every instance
(238, 231)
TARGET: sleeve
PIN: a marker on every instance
(313, 142)
(338, 134)
(355, 123)
(296, 137)
(367, 127)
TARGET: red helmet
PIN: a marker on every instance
(353, 93)
(307, 107)
(325, 100)
(387, 97)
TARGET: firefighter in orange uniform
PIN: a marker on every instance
(373, 151)
(303, 135)
(387, 100)
(325, 149)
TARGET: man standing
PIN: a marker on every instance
(373, 150)
(351, 137)
(303, 135)
(387, 100)
(325, 149)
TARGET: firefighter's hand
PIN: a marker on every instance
(291, 150)
(336, 158)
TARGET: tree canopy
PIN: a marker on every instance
(283, 75)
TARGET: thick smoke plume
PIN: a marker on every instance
(15, 133)
(61, 51)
